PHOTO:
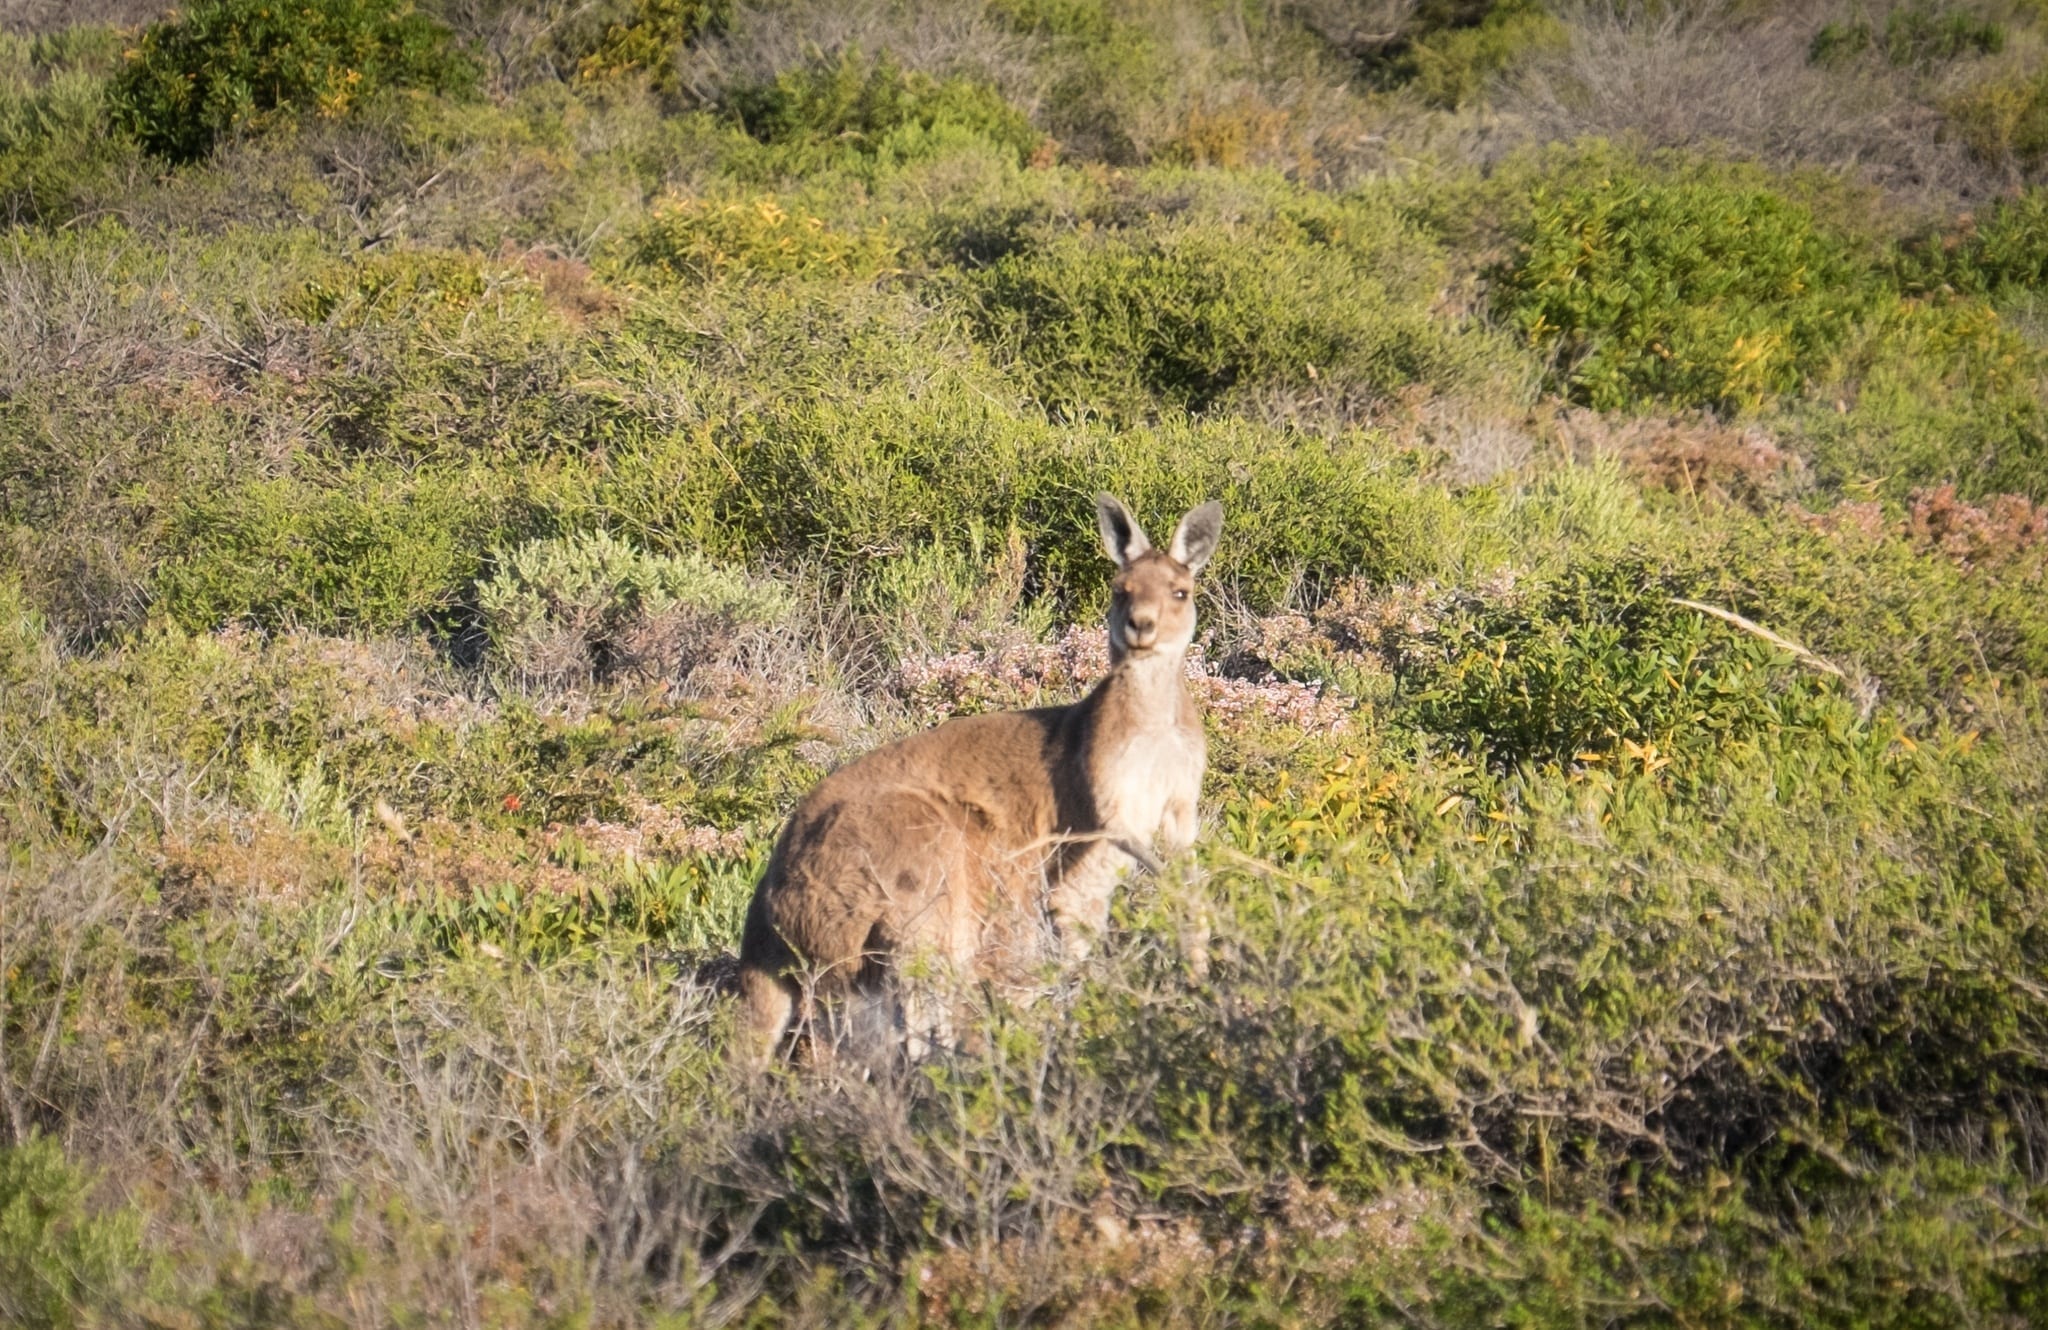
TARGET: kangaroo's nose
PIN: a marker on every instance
(1140, 631)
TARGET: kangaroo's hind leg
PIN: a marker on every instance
(938, 929)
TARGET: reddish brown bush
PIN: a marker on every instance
(1863, 520)
(568, 286)
(2006, 527)
(1692, 455)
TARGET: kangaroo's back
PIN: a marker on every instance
(992, 841)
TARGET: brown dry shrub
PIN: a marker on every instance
(1272, 643)
(37, 16)
(570, 288)
(1357, 616)
(1305, 127)
(1682, 76)
(1232, 132)
(671, 642)
(1091, 1269)
(1366, 29)
(2006, 527)
(1697, 456)
(253, 858)
(1352, 643)
(951, 40)
(1746, 465)
(86, 573)
(392, 685)
(459, 859)
(1474, 441)
(1860, 521)
(654, 830)
(1115, 1264)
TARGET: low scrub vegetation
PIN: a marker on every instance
(231, 64)
(466, 470)
(1686, 292)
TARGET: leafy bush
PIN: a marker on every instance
(60, 1258)
(648, 38)
(1902, 1245)
(564, 609)
(1709, 292)
(855, 484)
(2004, 122)
(1450, 66)
(233, 65)
(848, 108)
(1944, 391)
(1188, 316)
(55, 149)
(2004, 253)
(1921, 33)
(1108, 69)
(1601, 665)
(1538, 971)
(1849, 584)
(704, 240)
(413, 286)
(375, 548)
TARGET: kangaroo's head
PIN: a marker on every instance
(1152, 600)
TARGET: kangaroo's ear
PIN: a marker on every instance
(1122, 537)
(1194, 540)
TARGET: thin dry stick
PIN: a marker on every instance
(1753, 627)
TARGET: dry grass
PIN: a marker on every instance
(954, 39)
(1699, 456)
(35, 16)
(1706, 78)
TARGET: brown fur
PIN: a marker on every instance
(992, 841)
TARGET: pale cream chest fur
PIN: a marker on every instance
(1146, 773)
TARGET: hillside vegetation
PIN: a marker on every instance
(468, 466)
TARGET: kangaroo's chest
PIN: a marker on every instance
(1138, 777)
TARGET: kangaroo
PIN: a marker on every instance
(962, 843)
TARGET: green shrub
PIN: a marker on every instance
(2003, 253)
(703, 240)
(60, 1258)
(233, 65)
(649, 37)
(373, 548)
(848, 108)
(1903, 1246)
(1696, 292)
(560, 610)
(415, 288)
(55, 149)
(306, 800)
(1562, 975)
(1600, 665)
(1851, 586)
(1108, 72)
(2004, 122)
(1184, 317)
(1449, 67)
(1945, 391)
(1922, 33)
(852, 484)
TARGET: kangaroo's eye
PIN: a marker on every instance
(1180, 595)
